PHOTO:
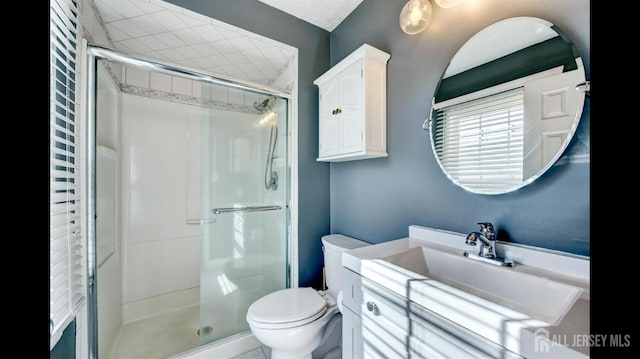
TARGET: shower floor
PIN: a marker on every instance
(164, 335)
(159, 336)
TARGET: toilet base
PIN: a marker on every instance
(326, 346)
(299, 341)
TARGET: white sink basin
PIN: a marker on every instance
(537, 297)
(546, 290)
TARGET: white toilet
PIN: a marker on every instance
(293, 321)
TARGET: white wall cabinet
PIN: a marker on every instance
(353, 107)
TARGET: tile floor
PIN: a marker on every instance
(258, 353)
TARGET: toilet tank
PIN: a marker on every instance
(332, 246)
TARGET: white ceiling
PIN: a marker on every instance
(326, 14)
(163, 31)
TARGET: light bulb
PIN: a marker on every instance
(415, 16)
(447, 3)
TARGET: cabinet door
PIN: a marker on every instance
(351, 335)
(433, 335)
(351, 106)
(351, 290)
(329, 120)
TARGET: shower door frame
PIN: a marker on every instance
(93, 53)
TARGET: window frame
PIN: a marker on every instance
(460, 127)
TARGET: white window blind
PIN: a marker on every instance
(480, 142)
(65, 245)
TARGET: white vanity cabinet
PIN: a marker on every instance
(351, 322)
(378, 323)
(394, 327)
(353, 107)
(421, 297)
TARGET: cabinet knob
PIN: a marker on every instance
(373, 308)
(336, 111)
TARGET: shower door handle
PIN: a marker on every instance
(245, 209)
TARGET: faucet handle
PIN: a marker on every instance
(486, 228)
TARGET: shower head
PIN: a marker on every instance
(265, 105)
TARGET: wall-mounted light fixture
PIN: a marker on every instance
(416, 14)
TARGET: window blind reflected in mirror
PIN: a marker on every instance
(480, 142)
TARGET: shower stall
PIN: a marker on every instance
(191, 204)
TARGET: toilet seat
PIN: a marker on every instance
(288, 308)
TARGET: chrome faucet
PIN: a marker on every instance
(487, 236)
(487, 253)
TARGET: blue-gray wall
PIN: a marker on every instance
(313, 60)
(377, 199)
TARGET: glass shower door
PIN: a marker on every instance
(244, 189)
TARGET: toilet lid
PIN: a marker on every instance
(292, 305)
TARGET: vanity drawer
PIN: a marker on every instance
(351, 290)
(433, 336)
(383, 306)
(397, 327)
(385, 324)
(382, 340)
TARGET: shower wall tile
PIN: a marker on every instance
(178, 89)
(193, 166)
(181, 85)
(136, 77)
(219, 93)
(250, 98)
(170, 265)
(236, 96)
(160, 81)
(154, 207)
(107, 120)
(196, 89)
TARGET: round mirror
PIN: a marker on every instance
(507, 105)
